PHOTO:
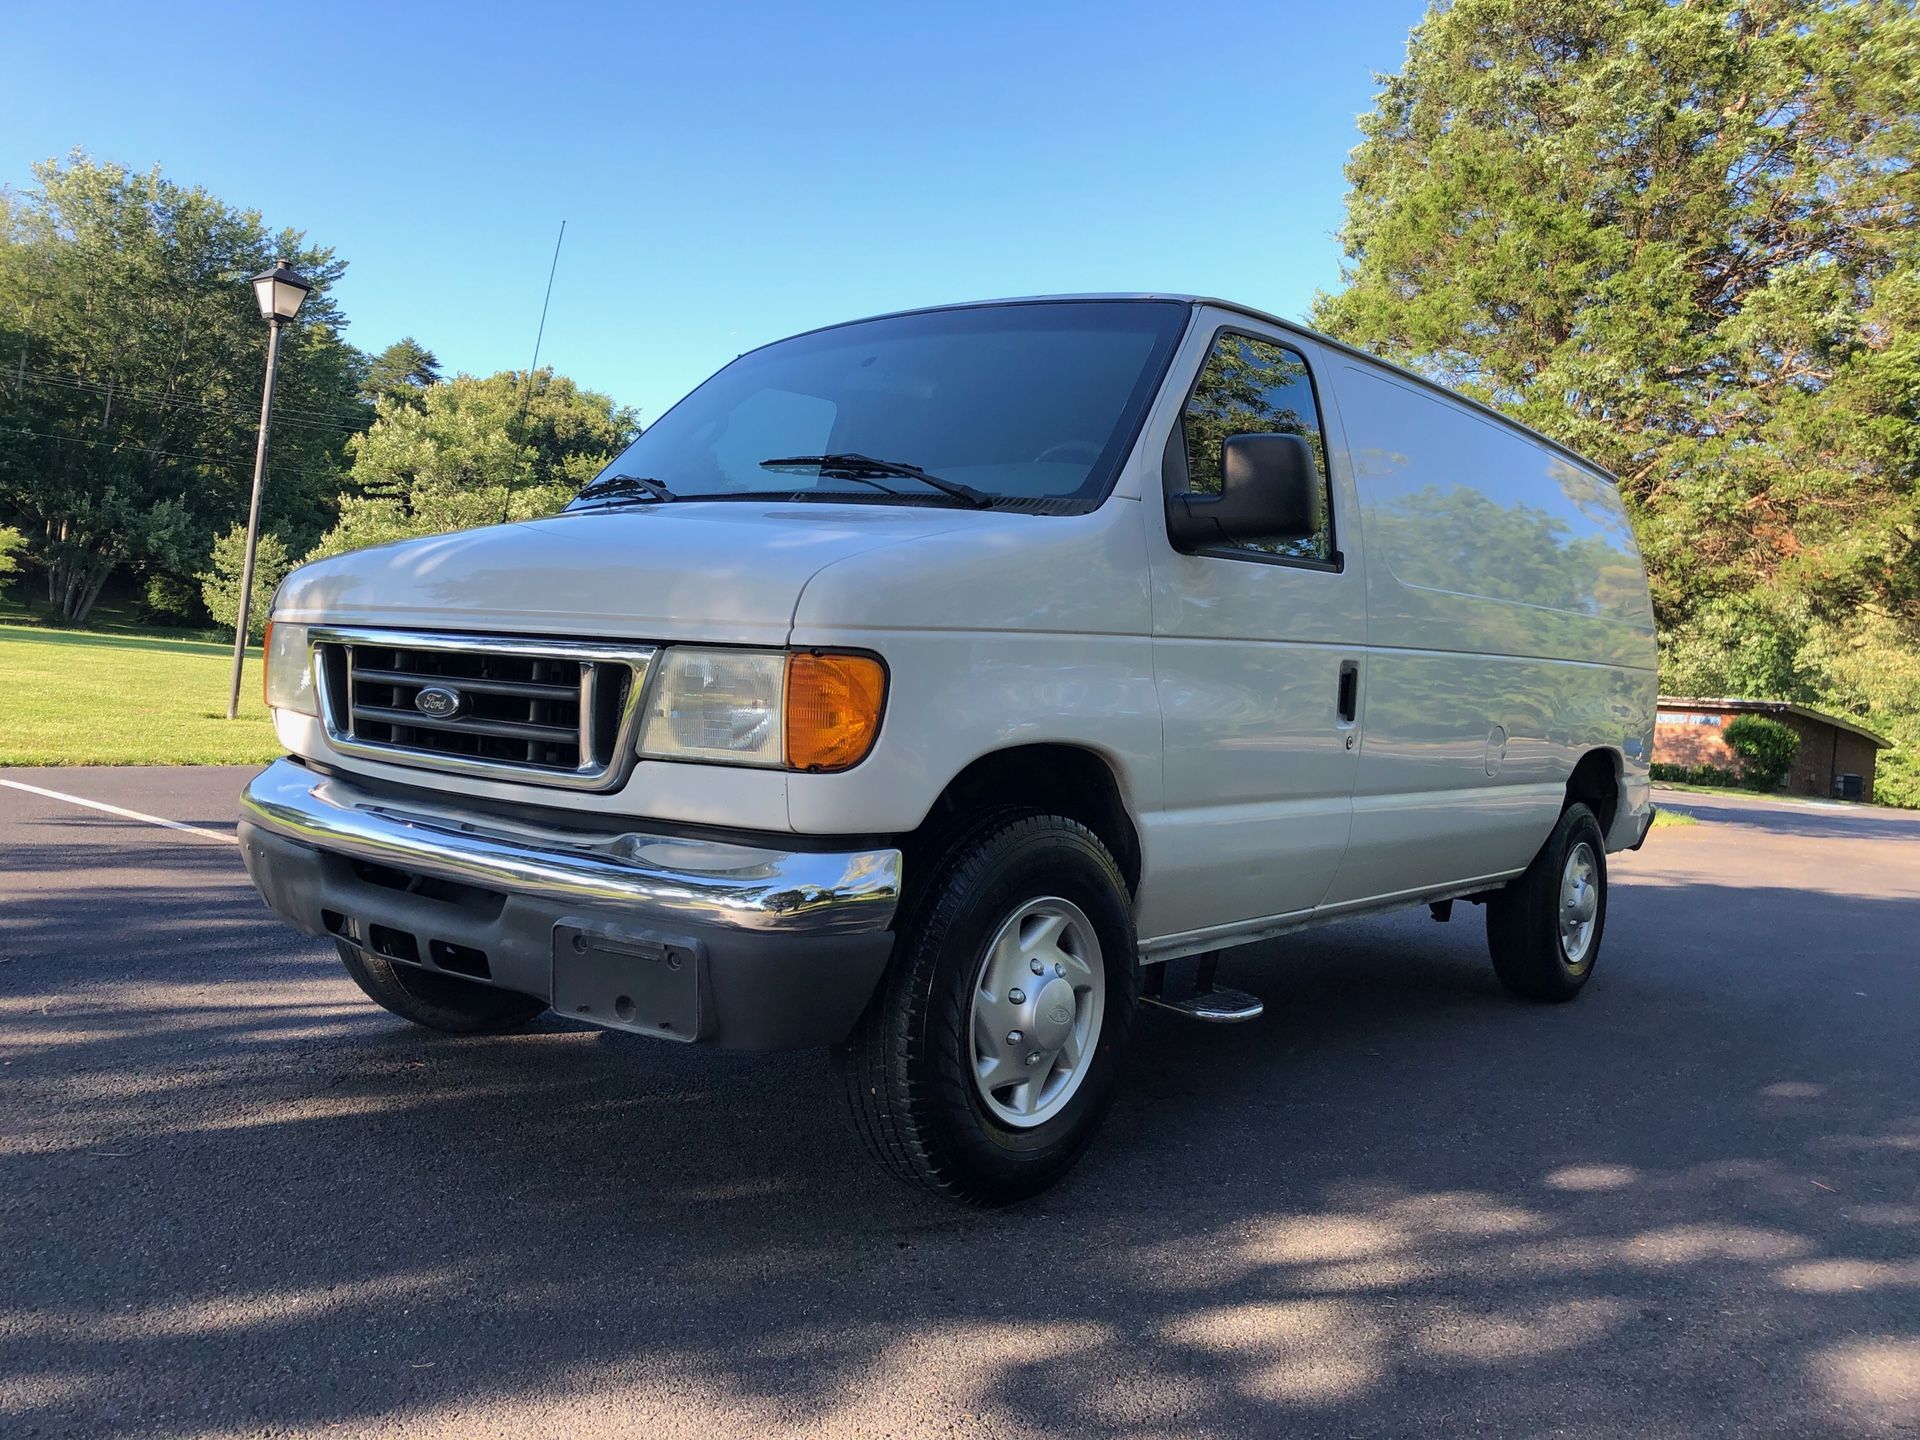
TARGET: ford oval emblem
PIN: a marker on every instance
(438, 701)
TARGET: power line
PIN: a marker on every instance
(335, 419)
(294, 416)
(144, 346)
(136, 397)
(141, 449)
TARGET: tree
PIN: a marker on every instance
(1766, 749)
(475, 452)
(166, 599)
(403, 372)
(136, 354)
(220, 584)
(1685, 239)
(1775, 648)
(12, 542)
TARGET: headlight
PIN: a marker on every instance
(717, 705)
(289, 678)
(803, 710)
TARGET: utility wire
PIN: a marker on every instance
(154, 355)
(336, 418)
(135, 447)
(118, 396)
(294, 416)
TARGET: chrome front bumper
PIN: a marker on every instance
(693, 882)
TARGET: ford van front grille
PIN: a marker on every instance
(549, 712)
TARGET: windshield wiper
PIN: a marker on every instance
(843, 465)
(609, 487)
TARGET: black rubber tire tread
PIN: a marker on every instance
(438, 1002)
(1523, 923)
(907, 1083)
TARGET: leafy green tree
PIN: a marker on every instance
(1685, 239)
(166, 599)
(1766, 749)
(135, 354)
(1776, 648)
(1873, 670)
(474, 452)
(12, 542)
(403, 371)
(220, 583)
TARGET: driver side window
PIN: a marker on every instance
(1251, 386)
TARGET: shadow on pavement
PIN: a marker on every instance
(1814, 821)
(237, 1196)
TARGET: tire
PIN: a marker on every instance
(1545, 926)
(438, 1002)
(941, 1094)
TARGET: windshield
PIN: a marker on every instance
(1028, 404)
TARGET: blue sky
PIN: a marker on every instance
(728, 173)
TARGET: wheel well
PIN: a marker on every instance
(1059, 779)
(1596, 782)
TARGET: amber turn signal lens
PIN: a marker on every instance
(833, 709)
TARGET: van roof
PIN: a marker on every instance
(1352, 351)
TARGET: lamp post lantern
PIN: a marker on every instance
(279, 292)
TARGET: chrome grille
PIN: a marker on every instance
(555, 712)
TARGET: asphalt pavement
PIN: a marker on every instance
(237, 1199)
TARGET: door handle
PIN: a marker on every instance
(1349, 690)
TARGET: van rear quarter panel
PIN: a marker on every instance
(1505, 597)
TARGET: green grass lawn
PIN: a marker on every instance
(1664, 818)
(1785, 796)
(89, 697)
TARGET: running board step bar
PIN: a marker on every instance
(1218, 1006)
(1168, 987)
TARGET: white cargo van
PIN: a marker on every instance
(925, 687)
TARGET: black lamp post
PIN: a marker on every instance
(279, 292)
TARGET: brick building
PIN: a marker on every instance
(1691, 731)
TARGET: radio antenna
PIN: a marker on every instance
(526, 391)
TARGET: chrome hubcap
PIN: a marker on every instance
(1579, 902)
(1037, 1005)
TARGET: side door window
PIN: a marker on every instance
(1251, 386)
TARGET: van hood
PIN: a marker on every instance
(728, 571)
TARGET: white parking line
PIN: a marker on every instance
(184, 829)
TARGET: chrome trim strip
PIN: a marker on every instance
(589, 690)
(589, 654)
(1235, 933)
(693, 881)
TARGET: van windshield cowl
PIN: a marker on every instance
(1028, 405)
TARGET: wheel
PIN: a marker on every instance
(439, 1002)
(986, 1061)
(1544, 927)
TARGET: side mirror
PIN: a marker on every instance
(1269, 492)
